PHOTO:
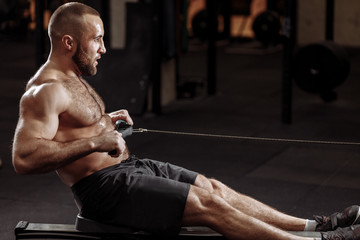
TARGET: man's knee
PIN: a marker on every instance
(203, 182)
(211, 185)
(203, 207)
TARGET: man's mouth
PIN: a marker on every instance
(96, 61)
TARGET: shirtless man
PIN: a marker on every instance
(63, 127)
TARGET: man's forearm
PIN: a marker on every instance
(42, 156)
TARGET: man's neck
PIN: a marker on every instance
(64, 64)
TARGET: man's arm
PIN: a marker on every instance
(34, 150)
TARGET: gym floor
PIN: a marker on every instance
(298, 178)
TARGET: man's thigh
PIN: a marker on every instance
(171, 171)
(154, 204)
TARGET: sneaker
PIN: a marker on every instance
(348, 233)
(348, 217)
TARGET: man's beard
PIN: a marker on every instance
(83, 62)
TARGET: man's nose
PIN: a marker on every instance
(102, 49)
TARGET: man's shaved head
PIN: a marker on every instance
(68, 20)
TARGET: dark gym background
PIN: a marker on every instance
(255, 68)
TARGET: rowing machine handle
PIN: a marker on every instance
(124, 128)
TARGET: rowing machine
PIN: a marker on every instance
(89, 229)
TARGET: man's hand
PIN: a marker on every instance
(111, 142)
(121, 114)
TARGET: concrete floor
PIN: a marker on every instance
(300, 179)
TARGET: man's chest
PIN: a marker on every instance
(86, 106)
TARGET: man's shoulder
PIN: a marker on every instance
(45, 86)
(48, 79)
(50, 74)
(44, 90)
(44, 76)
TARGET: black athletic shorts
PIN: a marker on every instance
(142, 194)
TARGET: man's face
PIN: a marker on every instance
(90, 47)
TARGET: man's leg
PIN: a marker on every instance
(250, 206)
(208, 209)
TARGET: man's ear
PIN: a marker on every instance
(68, 42)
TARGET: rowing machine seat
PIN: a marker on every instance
(83, 224)
(89, 226)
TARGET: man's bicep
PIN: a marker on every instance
(29, 139)
(39, 114)
(38, 128)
